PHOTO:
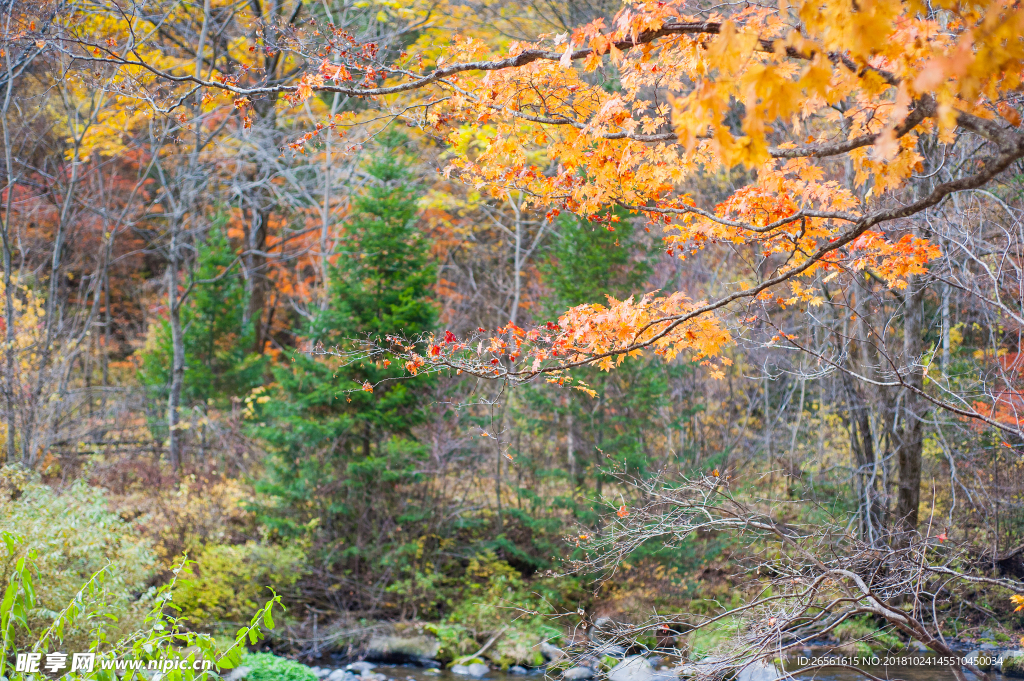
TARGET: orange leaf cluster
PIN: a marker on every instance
(606, 334)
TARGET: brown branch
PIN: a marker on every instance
(517, 61)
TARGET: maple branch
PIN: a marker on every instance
(1012, 150)
(440, 73)
(900, 383)
(522, 59)
(781, 222)
(925, 108)
(988, 129)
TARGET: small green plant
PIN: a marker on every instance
(455, 640)
(1013, 666)
(269, 667)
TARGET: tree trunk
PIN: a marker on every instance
(570, 445)
(10, 380)
(28, 450)
(261, 201)
(909, 433)
(868, 463)
(177, 357)
(945, 329)
(257, 263)
(497, 469)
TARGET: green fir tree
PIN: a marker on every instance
(341, 454)
(613, 430)
(219, 363)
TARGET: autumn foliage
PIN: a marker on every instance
(461, 274)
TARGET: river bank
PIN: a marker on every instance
(822, 662)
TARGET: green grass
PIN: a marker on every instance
(866, 634)
(268, 667)
(707, 639)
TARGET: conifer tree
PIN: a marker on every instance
(218, 361)
(614, 429)
(340, 452)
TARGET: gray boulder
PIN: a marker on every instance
(341, 675)
(477, 669)
(578, 673)
(551, 652)
(516, 669)
(403, 649)
(638, 668)
(237, 674)
(633, 668)
(360, 667)
(759, 671)
(708, 667)
(982, 659)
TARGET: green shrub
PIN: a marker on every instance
(73, 535)
(227, 582)
(25, 626)
(455, 640)
(421, 593)
(268, 667)
(494, 596)
(864, 632)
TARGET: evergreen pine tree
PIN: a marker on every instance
(612, 430)
(340, 453)
(218, 361)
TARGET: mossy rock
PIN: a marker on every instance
(981, 659)
(885, 643)
(862, 635)
(1013, 667)
(401, 649)
(556, 667)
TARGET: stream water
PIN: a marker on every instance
(915, 672)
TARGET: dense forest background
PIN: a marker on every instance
(172, 279)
